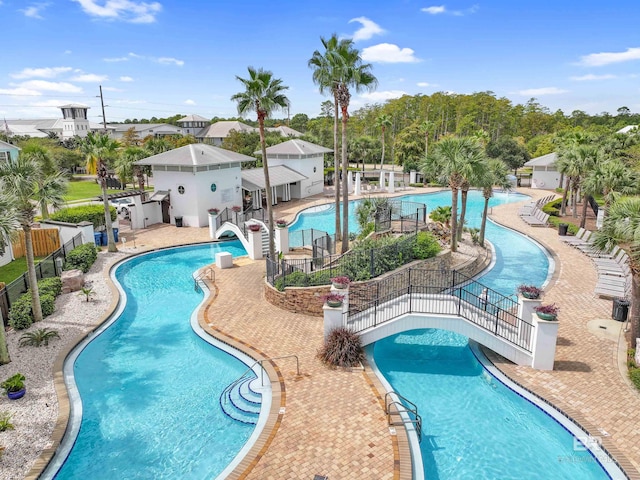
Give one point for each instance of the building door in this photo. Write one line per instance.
(165, 210)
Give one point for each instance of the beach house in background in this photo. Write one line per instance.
(74, 122)
(8, 151)
(545, 174)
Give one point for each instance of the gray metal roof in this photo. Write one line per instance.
(284, 131)
(253, 179)
(4, 146)
(193, 118)
(222, 129)
(74, 105)
(194, 155)
(295, 147)
(141, 127)
(544, 161)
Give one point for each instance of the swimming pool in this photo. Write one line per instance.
(150, 385)
(474, 426)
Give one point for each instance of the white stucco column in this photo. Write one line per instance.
(526, 312)
(274, 195)
(256, 198)
(382, 180)
(392, 182)
(349, 182)
(357, 187)
(255, 245)
(412, 176)
(333, 316)
(544, 343)
(282, 239)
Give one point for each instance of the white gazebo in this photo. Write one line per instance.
(545, 174)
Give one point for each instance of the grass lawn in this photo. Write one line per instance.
(11, 271)
(87, 189)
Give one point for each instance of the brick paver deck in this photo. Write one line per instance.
(333, 423)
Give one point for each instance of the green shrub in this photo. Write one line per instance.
(555, 221)
(20, 315)
(553, 208)
(82, 257)
(420, 185)
(634, 375)
(38, 337)
(5, 422)
(50, 286)
(48, 304)
(83, 213)
(426, 246)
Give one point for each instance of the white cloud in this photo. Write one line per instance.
(89, 77)
(40, 72)
(532, 92)
(67, 52)
(606, 58)
(438, 9)
(126, 79)
(383, 95)
(434, 10)
(591, 76)
(116, 59)
(112, 89)
(170, 61)
(33, 11)
(189, 102)
(19, 91)
(388, 53)
(426, 84)
(368, 29)
(126, 10)
(50, 86)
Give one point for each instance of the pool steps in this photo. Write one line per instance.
(242, 402)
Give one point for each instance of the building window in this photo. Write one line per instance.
(180, 189)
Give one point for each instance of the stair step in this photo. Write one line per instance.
(242, 402)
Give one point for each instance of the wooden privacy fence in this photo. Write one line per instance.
(45, 241)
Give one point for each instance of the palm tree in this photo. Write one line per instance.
(588, 157)
(495, 174)
(98, 149)
(427, 127)
(622, 227)
(125, 167)
(326, 74)
(383, 121)
(50, 191)
(357, 75)
(264, 95)
(612, 179)
(475, 157)
(453, 161)
(8, 224)
(20, 178)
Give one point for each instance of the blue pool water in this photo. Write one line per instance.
(473, 425)
(150, 386)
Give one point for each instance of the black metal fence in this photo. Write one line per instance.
(239, 217)
(446, 292)
(401, 216)
(356, 264)
(47, 267)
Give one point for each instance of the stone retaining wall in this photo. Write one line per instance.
(469, 260)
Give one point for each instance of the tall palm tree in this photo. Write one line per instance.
(326, 74)
(19, 179)
(383, 121)
(125, 168)
(264, 95)
(8, 224)
(495, 174)
(622, 227)
(453, 161)
(476, 158)
(427, 128)
(98, 149)
(588, 157)
(357, 75)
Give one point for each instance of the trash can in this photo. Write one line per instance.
(104, 240)
(178, 221)
(620, 310)
(115, 235)
(97, 238)
(562, 228)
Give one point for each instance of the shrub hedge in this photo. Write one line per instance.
(82, 213)
(21, 315)
(553, 208)
(82, 257)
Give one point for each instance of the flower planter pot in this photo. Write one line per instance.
(16, 395)
(530, 296)
(546, 316)
(339, 286)
(334, 304)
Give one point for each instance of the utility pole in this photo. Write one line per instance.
(104, 118)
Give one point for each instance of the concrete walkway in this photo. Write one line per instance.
(333, 422)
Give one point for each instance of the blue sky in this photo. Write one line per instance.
(159, 58)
